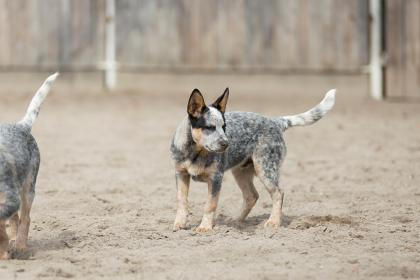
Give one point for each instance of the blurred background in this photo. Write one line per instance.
(134, 39)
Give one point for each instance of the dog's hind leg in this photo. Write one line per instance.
(23, 228)
(27, 197)
(277, 196)
(24, 222)
(4, 241)
(244, 176)
(267, 163)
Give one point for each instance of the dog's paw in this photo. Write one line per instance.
(239, 220)
(179, 226)
(19, 253)
(180, 223)
(203, 229)
(272, 224)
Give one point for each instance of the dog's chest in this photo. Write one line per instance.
(199, 170)
(194, 168)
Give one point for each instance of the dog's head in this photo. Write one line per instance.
(208, 122)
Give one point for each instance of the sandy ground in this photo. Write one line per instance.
(106, 194)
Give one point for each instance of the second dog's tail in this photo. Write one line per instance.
(312, 115)
(33, 109)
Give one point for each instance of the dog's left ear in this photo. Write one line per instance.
(196, 104)
(220, 103)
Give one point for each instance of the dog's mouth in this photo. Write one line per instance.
(217, 151)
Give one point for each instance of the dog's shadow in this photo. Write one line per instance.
(64, 240)
(251, 224)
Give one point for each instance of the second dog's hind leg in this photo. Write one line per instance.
(4, 241)
(27, 197)
(244, 177)
(24, 222)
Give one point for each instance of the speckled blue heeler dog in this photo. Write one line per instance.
(19, 163)
(209, 142)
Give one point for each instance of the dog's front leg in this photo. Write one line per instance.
(207, 222)
(183, 185)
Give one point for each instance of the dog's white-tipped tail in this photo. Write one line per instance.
(314, 114)
(36, 102)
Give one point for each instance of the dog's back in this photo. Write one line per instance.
(244, 130)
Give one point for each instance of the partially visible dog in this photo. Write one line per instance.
(209, 142)
(19, 164)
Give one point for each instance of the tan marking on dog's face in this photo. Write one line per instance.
(210, 134)
(197, 135)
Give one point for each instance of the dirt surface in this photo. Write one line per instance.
(106, 193)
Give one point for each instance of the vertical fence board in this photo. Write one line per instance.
(403, 48)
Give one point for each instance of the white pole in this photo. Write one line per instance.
(376, 63)
(110, 63)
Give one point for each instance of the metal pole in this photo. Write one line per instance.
(376, 62)
(110, 63)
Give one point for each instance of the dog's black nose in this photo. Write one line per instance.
(224, 144)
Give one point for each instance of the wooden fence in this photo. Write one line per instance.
(402, 48)
(39, 34)
(263, 35)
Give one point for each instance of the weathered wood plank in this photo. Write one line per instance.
(403, 48)
(183, 34)
(50, 33)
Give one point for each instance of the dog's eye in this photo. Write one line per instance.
(210, 127)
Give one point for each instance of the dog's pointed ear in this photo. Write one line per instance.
(220, 103)
(196, 104)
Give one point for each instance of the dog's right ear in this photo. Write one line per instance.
(196, 104)
(220, 103)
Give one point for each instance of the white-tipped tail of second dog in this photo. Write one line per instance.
(312, 115)
(36, 102)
